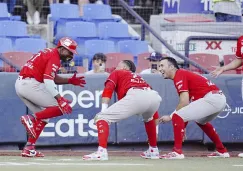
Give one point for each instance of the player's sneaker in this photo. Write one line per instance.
(172, 155)
(29, 123)
(100, 154)
(217, 154)
(240, 155)
(151, 153)
(29, 151)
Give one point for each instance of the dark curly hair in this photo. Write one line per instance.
(130, 64)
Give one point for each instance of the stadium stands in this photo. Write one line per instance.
(3, 11)
(30, 45)
(114, 58)
(114, 31)
(208, 61)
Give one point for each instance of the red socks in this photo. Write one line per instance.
(40, 125)
(212, 134)
(103, 133)
(48, 113)
(151, 132)
(178, 126)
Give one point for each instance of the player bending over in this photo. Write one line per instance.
(134, 97)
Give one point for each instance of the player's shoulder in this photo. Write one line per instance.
(146, 71)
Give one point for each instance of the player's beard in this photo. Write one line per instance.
(65, 58)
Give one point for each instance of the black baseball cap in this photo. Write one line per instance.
(155, 56)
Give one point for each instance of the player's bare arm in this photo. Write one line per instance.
(183, 101)
(107, 94)
(233, 65)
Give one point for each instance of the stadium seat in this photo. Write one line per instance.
(30, 45)
(16, 59)
(230, 58)
(60, 14)
(60, 10)
(13, 30)
(133, 47)
(208, 61)
(81, 69)
(114, 31)
(142, 61)
(4, 11)
(5, 45)
(80, 32)
(114, 58)
(191, 6)
(98, 46)
(98, 13)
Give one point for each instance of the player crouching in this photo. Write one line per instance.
(132, 92)
(207, 101)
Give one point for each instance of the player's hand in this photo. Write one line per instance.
(164, 119)
(64, 105)
(78, 81)
(217, 72)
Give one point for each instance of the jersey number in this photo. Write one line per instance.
(137, 79)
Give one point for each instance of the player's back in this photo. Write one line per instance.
(124, 80)
(37, 64)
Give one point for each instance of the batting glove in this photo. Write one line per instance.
(78, 81)
(64, 105)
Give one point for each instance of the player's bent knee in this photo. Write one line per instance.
(99, 118)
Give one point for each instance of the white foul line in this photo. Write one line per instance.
(238, 165)
(70, 164)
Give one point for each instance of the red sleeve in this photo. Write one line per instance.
(156, 115)
(108, 90)
(113, 78)
(51, 70)
(181, 82)
(239, 52)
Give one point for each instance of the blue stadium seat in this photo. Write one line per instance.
(30, 45)
(61, 14)
(4, 11)
(114, 31)
(5, 46)
(98, 13)
(80, 32)
(191, 6)
(13, 30)
(98, 46)
(133, 47)
(61, 10)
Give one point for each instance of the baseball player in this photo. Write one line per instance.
(132, 92)
(36, 87)
(236, 63)
(207, 101)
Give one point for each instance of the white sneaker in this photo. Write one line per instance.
(100, 154)
(240, 155)
(172, 155)
(151, 153)
(36, 18)
(217, 154)
(29, 18)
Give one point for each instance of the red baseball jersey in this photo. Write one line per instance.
(124, 80)
(239, 48)
(196, 85)
(43, 65)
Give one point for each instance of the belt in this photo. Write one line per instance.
(142, 88)
(24, 78)
(217, 92)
